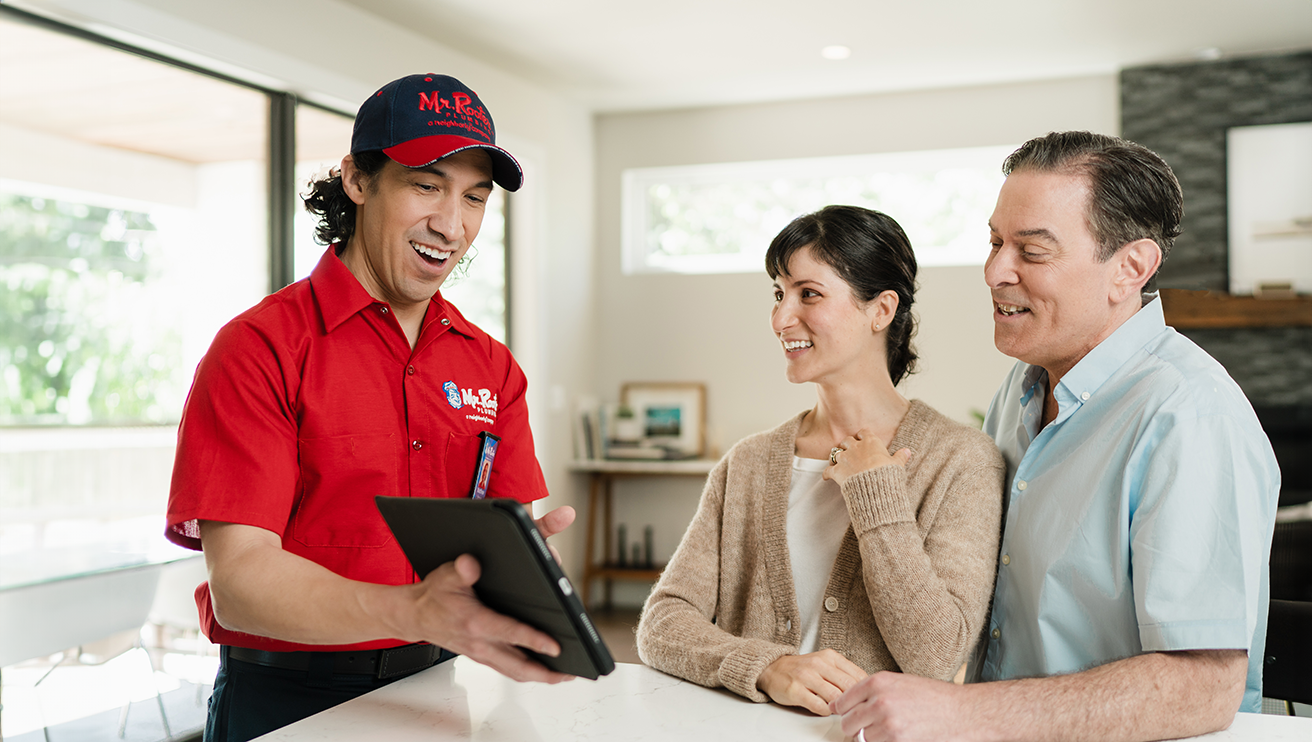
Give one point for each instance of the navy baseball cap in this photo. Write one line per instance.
(419, 119)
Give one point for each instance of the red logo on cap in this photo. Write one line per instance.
(459, 104)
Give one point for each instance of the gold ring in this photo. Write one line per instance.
(833, 455)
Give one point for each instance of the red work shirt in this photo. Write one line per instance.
(311, 403)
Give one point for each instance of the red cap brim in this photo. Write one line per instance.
(506, 171)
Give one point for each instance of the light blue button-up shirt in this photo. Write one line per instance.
(1140, 519)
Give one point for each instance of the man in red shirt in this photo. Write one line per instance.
(359, 381)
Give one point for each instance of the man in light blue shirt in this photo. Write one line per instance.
(1131, 598)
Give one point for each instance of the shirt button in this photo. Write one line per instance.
(383, 310)
(446, 321)
(410, 370)
(1085, 396)
(417, 445)
(997, 633)
(831, 604)
(1021, 485)
(1006, 559)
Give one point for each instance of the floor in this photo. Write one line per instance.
(151, 695)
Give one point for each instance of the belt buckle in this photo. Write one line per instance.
(405, 660)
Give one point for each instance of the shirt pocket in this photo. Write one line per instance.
(461, 461)
(340, 476)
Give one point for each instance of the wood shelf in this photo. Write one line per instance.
(611, 571)
(597, 564)
(1196, 310)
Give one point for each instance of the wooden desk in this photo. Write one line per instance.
(603, 473)
(463, 700)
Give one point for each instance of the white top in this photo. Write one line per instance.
(462, 700)
(817, 521)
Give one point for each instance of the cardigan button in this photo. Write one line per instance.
(831, 604)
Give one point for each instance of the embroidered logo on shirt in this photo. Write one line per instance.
(483, 402)
(452, 395)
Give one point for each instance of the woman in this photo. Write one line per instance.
(860, 535)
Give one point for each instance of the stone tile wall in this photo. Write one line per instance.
(1182, 112)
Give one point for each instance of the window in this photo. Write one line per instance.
(720, 218)
(137, 216)
(322, 139)
(133, 224)
(115, 274)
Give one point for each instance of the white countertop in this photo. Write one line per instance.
(462, 700)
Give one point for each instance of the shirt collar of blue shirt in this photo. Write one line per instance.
(1100, 363)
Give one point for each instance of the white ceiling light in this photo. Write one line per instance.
(836, 52)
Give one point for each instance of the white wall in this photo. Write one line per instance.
(715, 329)
(334, 53)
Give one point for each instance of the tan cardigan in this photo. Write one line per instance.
(910, 587)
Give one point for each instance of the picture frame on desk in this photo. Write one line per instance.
(672, 415)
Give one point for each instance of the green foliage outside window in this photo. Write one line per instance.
(81, 337)
(718, 218)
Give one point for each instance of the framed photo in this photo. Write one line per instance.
(672, 415)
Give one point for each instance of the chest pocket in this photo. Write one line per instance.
(461, 460)
(340, 477)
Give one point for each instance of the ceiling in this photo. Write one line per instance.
(613, 55)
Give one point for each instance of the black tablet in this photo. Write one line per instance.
(520, 578)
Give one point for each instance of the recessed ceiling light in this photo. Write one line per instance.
(836, 52)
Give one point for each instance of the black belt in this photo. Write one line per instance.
(381, 663)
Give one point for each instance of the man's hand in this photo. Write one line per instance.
(1152, 696)
(453, 618)
(893, 707)
(811, 681)
(259, 588)
(554, 522)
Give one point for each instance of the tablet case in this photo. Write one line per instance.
(519, 577)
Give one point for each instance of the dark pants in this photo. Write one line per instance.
(250, 700)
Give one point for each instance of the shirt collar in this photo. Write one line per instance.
(1098, 365)
(340, 296)
(442, 311)
(336, 290)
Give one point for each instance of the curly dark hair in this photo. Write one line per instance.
(327, 199)
(872, 254)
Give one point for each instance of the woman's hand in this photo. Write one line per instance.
(812, 681)
(862, 452)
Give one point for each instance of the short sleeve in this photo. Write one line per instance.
(237, 457)
(1200, 534)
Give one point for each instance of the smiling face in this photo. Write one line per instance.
(414, 225)
(1053, 301)
(826, 334)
